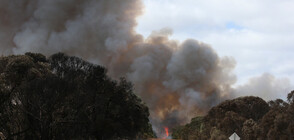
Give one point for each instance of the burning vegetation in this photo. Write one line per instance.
(176, 80)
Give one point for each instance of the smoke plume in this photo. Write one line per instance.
(176, 80)
(265, 86)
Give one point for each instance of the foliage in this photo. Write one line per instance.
(250, 117)
(189, 130)
(65, 97)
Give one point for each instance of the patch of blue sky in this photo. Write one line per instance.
(233, 25)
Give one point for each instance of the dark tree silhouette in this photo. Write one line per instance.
(65, 97)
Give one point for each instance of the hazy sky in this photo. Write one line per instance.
(258, 34)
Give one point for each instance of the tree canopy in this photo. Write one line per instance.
(250, 117)
(65, 97)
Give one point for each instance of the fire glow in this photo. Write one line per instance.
(166, 132)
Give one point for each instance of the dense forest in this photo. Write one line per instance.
(64, 97)
(250, 117)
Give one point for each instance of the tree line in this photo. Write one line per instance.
(65, 97)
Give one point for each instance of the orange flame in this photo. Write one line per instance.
(166, 131)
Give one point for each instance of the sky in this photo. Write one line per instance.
(259, 35)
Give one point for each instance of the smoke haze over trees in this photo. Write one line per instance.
(177, 80)
(65, 97)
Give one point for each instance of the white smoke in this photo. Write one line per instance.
(265, 86)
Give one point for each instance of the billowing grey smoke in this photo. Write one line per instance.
(176, 80)
(88, 28)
